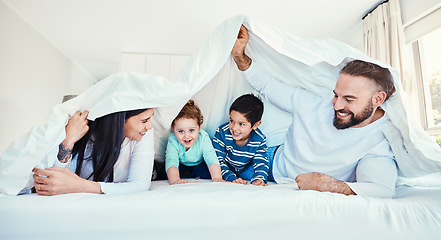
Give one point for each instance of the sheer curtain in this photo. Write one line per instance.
(384, 40)
(383, 36)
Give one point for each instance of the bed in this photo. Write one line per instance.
(205, 210)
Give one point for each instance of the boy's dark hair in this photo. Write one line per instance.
(250, 106)
(381, 76)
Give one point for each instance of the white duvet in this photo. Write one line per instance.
(212, 79)
(206, 210)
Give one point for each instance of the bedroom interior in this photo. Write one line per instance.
(52, 49)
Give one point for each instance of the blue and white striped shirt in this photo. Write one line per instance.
(234, 159)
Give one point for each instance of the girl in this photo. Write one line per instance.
(188, 147)
(113, 154)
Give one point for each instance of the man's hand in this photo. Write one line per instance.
(240, 181)
(323, 183)
(242, 60)
(259, 182)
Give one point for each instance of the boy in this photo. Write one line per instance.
(240, 146)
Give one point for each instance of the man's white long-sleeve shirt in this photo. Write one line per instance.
(359, 156)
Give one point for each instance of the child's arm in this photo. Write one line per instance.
(210, 158)
(173, 176)
(215, 172)
(172, 161)
(219, 146)
(261, 165)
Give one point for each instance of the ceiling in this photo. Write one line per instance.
(93, 33)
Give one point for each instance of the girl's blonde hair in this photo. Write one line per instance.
(191, 111)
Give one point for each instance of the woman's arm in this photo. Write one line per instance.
(58, 180)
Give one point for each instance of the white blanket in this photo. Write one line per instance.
(212, 79)
(206, 210)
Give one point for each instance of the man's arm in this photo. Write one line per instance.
(376, 177)
(323, 183)
(242, 60)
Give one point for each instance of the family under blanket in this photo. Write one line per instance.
(333, 145)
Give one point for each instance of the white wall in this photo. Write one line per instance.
(412, 10)
(34, 76)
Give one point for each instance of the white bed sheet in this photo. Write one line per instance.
(206, 210)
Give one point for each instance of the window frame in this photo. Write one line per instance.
(423, 92)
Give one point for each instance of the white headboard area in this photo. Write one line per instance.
(166, 65)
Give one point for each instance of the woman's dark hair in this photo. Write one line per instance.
(250, 106)
(106, 134)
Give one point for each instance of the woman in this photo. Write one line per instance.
(113, 154)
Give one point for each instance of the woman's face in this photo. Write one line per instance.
(137, 126)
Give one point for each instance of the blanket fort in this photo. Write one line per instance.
(212, 79)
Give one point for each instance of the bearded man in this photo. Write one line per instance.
(334, 144)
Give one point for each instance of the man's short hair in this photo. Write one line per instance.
(250, 106)
(381, 76)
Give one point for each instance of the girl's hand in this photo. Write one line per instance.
(218, 180)
(179, 181)
(259, 183)
(240, 181)
(58, 180)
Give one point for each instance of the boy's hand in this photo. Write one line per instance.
(179, 181)
(259, 183)
(241, 181)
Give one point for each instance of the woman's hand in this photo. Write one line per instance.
(76, 128)
(58, 180)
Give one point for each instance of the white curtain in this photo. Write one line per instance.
(384, 40)
(383, 36)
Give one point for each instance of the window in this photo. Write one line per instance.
(427, 59)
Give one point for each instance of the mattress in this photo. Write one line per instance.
(206, 210)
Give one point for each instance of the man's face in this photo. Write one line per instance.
(353, 101)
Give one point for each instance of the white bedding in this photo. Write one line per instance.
(223, 210)
(212, 79)
(206, 210)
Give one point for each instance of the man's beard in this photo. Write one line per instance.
(365, 114)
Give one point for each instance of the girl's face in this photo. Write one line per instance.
(186, 131)
(137, 126)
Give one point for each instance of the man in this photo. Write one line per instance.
(336, 144)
